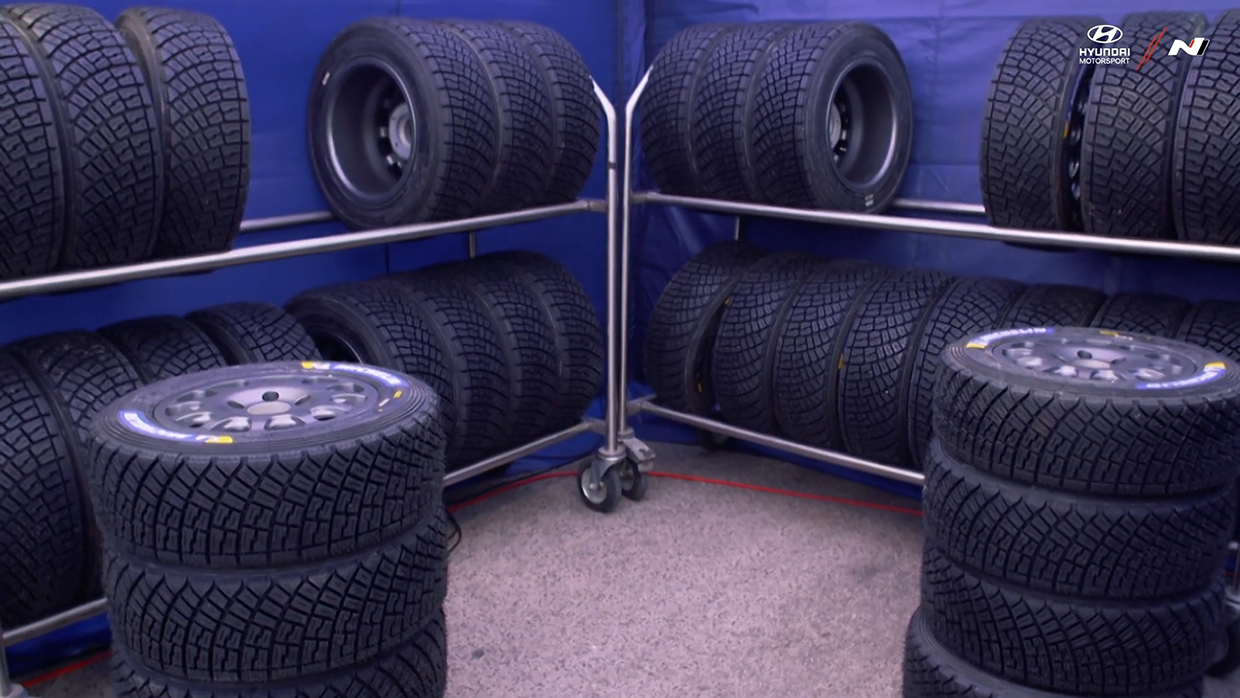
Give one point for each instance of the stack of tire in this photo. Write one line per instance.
(807, 115)
(843, 355)
(413, 120)
(1078, 504)
(1137, 146)
(509, 341)
(124, 142)
(274, 530)
(51, 388)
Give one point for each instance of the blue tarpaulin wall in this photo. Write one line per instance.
(950, 48)
(279, 42)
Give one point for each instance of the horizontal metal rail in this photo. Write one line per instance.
(819, 454)
(100, 606)
(1216, 253)
(284, 250)
(931, 206)
(258, 225)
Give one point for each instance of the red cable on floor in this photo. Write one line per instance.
(709, 481)
(76, 666)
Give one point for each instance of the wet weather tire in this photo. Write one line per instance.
(1143, 313)
(253, 333)
(162, 347)
(1053, 305)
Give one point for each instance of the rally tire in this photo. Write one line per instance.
(1214, 325)
(253, 333)
(1050, 305)
(1076, 546)
(1143, 313)
(1129, 138)
(108, 133)
(200, 99)
(273, 498)
(681, 331)
(164, 346)
(1026, 155)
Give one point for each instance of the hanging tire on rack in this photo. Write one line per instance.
(682, 326)
(743, 354)
(43, 514)
(1204, 182)
(1032, 126)
(32, 197)
(1129, 134)
(1143, 313)
(390, 143)
(108, 129)
(200, 99)
(1051, 305)
(576, 109)
(1042, 406)
(163, 347)
(579, 338)
(252, 333)
(832, 119)
(665, 108)
(876, 360)
(807, 353)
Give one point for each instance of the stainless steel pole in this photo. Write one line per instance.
(291, 221)
(613, 412)
(626, 213)
(517, 453)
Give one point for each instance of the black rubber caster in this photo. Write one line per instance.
(604, 495)
(633, 482)
(1231, 658)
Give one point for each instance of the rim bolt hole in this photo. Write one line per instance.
(1084, 354)
(236, 405)
(271, 396)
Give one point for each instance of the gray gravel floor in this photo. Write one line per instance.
(700, 590)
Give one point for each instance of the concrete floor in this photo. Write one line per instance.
(700, 590)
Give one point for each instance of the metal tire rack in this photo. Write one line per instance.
(610, 426)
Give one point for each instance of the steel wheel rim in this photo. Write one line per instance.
(596, 493)
(861, 124)
(1105, 359)
(264, 404)
(372, 128)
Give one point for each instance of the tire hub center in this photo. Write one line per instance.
(1105, 359)
(399, 133)
(265, 403)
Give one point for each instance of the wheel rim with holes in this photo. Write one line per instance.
(273, 402)
(861, 125)
(1100, 359)
(1070, 143)
(372, 128)
(596, 492)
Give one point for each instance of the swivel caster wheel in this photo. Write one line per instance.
(633, 482)
(603, 494)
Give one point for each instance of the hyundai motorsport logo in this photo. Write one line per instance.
(1104, 52)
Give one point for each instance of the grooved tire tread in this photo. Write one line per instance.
(806, 357)
(380, 323)
(931, 671)
(682, 325)
(278, 624)
(475, 344)
(302, 501)
(577, 111)
(254, 333)
(1011, 422)
(743, 354)
(1214, 325)
(1204, 180)
(110, 134)
(876, 362)
(42, 514)
(1129, 137)
(578, 336)
(666, 106)
(523, 100)
(1071, 646)
(201, 101)
(1054, 305)
(418, 669)
(1144, 313)
(32, 166)
(969, 305)
(720, 107)
(1022, 124)
(162, 347)
(1074, 546)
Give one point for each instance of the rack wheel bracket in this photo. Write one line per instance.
(599, 481)
(637, 452)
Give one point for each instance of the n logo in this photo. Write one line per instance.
(1196, 48)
